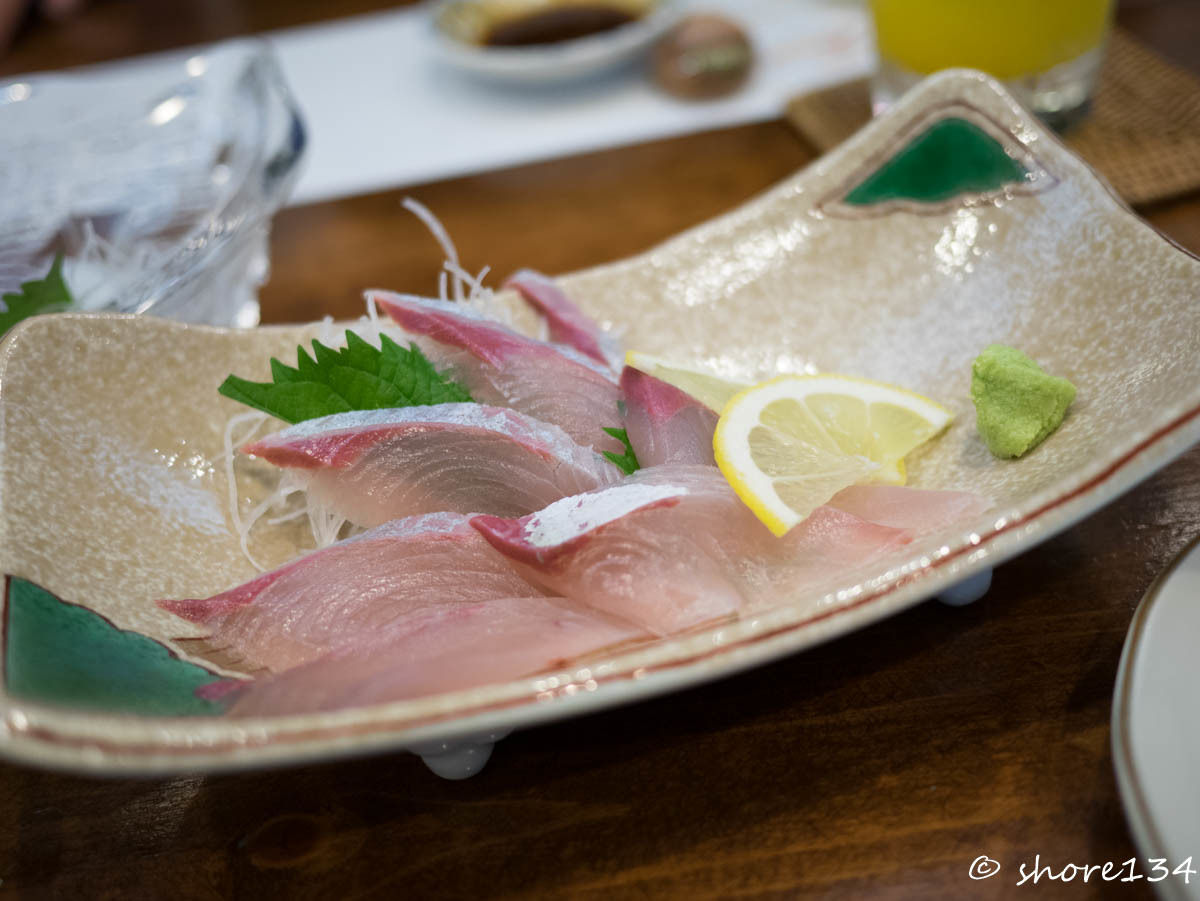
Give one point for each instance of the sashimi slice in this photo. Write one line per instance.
(354, 591)
(452, 646)
(567, 323)
(501, 367)
(629, 551)
(921, 511)
(829, 551)
(664, 424)
(672, 547)
(377, 465)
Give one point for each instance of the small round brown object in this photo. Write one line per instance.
(702, 57)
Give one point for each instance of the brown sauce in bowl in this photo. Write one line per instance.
(552, 26)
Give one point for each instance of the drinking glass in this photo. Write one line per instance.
(155, 180)
(1047, 52)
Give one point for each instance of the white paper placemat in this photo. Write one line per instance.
(384, 112)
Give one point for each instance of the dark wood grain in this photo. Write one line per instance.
(115, 28)
(555, 216)
(879, 765)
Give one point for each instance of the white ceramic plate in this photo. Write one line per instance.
(1156, 726)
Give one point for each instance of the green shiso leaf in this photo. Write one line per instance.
(47, 295)
(358, 376)
(626, 462)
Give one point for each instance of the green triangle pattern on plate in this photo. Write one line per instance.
(63, 654)
(951, 157)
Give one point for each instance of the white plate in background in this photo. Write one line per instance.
(1156, 726)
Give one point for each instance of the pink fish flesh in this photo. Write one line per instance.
(664, 424)
(355, 591)
(672, 547)
(444, 648)
(500, 367)
(377, 465)
(568, 324)
(921, 511)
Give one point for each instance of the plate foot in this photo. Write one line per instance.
(460, 758)
(968, 591)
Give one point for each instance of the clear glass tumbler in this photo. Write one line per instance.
(155, 180)
(1047, 52)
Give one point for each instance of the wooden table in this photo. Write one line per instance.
(881, 764)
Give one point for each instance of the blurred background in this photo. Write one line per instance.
(374, 96)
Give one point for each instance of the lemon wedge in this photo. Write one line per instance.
(711, 390)
(715, 392)
(790, 444)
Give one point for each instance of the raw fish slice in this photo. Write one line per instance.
(828, 551)
(568, 324)
(546, 381)
(630, 550)
(378, 465)
(452, 646)
(354, 591)
(664, 424)
(673, 547)
(921, 511)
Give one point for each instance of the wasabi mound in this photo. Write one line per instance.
(1017, 404)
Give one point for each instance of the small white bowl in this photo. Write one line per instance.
(556, 62)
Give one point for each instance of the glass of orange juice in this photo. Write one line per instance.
(1046, 51)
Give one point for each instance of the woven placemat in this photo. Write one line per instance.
(1143, 133)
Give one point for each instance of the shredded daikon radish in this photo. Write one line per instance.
(434, 224)
(256, 419)
(475, 288)
(286, 517)
(327, 334)
(257, 513)
(370, 326)
(480, 298)
(453, 278)
(326, 527)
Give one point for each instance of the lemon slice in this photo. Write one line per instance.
(711, 390)
(715, 392)
(889, 474)
(790, 444)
